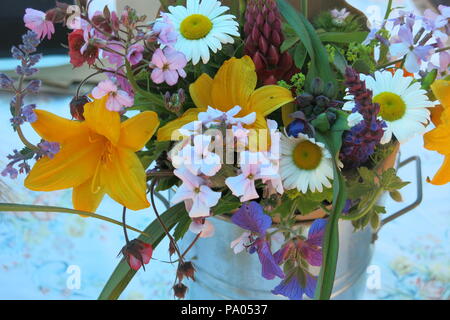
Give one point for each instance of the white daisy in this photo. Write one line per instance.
(305, 164)
(202, 26)
(403, 104)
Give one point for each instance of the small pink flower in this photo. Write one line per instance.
(117, 100)
(203, 227)
(195, 191)
(135, 53)
(243, 185)
(35, 21)
(167, 66)
(165, 31)
(113, 56)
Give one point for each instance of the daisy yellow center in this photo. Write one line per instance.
(392, 106)
(307, 155)
(196, 26)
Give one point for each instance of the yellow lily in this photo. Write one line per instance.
(97, 156)
(233, 85)
(438, 139)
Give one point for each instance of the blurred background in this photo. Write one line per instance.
(412, 254)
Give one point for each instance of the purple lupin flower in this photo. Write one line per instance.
(359, 143)
(251, 217)
(297, 284)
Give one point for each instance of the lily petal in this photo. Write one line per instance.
(234, 83)
(54, 128)
(200, 91)
(441, 89)
(437, 139)
(75, 163)
(170, 130)
(267, 99)
(124, 179)
(103, 121)
(85, 199)
(443, 175)
(136, 131)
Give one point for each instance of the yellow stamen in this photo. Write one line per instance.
(196, 26)
(307, 155)
(392, 106)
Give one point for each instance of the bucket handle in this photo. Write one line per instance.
(414, 204)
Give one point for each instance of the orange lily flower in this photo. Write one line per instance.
(97, 156)
(438, 139)
(233, 85)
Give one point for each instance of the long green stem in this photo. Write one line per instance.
(304, 4)
(13, 207)
(388, 10)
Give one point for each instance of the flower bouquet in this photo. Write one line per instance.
(259, 114)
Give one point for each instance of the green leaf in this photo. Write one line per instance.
(288, 43)
(339, 61)
(123, 274)
(227, 204)
(300, 54)
(343, 37)
(321, 122)
(320, 66)
(396, 196)
(390, 181)
(361, 66)
(182, 227)
(284, 208)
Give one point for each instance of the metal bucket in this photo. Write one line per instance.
(221, 274)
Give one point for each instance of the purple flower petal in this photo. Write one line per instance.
(251, 217)
(292, 288)
(316, 232)
(270, 269)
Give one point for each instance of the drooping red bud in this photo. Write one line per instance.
(77, 107)
(179, 290)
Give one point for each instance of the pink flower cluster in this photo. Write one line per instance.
(37, 22)
(199, 157)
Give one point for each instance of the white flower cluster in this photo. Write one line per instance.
(199, 157)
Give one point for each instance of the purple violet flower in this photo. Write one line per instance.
(251, 217)
(296, 285)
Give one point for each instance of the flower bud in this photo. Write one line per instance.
(304, 100)
(317, 86)
(179, 290)
(186, 269)
(77, 107)
(6, 82)
(137, 253)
